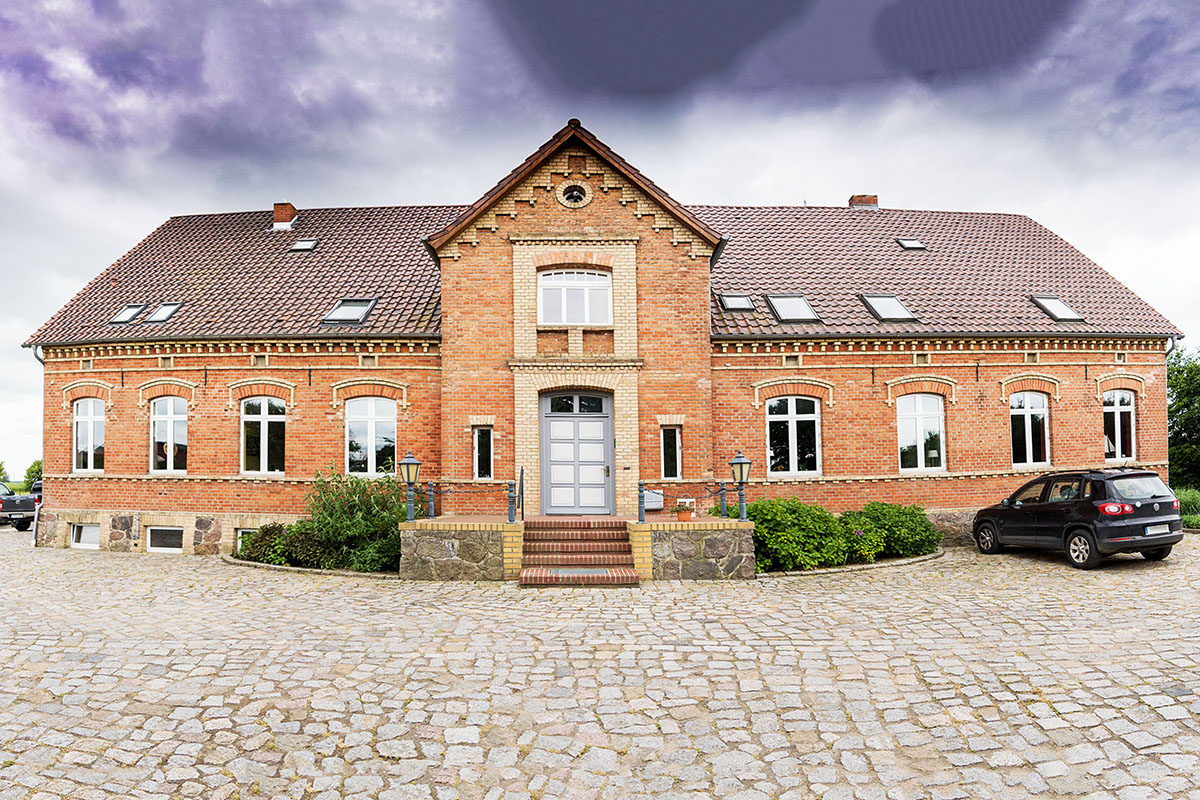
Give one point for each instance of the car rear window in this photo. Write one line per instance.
(1140, 487)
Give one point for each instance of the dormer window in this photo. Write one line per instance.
(791, 308)
(350, 311)
(736, 302)
(127, 313)
(304, 245)
(574, 297)
(1056, 309)
(887, 308)
(163, 312)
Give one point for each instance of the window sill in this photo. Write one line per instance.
(793, 476)
(923, 471)
(259, 476)
(87, 472)
(563, 328)
(171, 550)
(168, 473)
(1031, 467)
(76, 546)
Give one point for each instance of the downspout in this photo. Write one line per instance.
(40, 360)
(1171, 343)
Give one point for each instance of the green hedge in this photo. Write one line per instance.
(1192, 521)
(1189, 501)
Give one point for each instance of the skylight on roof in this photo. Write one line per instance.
(887, 307)
(304, 245)
(128, 312)
(791, 308)
(350, 311)
(910, 244)
(1056, 309)
(163, 312)
(737, 302)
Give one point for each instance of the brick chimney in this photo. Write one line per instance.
(857, 201)
(285, 215)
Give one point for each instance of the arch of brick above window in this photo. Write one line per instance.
(87, 387)
(921, 384)
(1030, 382)
(257, 387)
(1119, 380)
(369, 387)
(176, 387)
(573, 259)
(807, 387)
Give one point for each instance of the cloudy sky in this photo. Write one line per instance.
(115, 114)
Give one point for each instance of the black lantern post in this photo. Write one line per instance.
(410, 469)
(740, 467)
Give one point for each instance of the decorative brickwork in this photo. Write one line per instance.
(1029, 382)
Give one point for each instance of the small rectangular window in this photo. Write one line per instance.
(482, 460)
(910, 244)
(887, 307)
(1031, 358)
(241, 534)
(350, 312)
(85, 363)
(791, 360)
(166, 361)
(165, 540)
(1121, 358)
(259, 360)
(921, 358)
(736, 302)
(86, 537)
(791, 308)
(672, 454)
(1056, 309)
(304, 245)
(163, 312)
(128, 313)
(368, 361)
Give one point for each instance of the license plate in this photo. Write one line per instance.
(1155, 530)
(17, 516)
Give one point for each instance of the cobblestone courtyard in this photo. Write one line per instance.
(1011, 676)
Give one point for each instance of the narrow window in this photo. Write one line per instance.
(371, 436)
(164, 540)
(887, 308)
(920, 422)
(574, 297)
(482, 448)
(263, 428)
(350, 312)
(672, 454)
(793, 435)
(1029, 418)
(1118, 425)
(168, 434)
(86, 537)
(89, 435)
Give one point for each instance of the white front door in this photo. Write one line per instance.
(577, 448)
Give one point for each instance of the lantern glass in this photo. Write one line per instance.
(409, 468)
(740, 467)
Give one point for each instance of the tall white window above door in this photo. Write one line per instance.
(371, 436)
(574, 297)
(1118, 425)
(168, 434)
(89, 435)
(793, 436)
(1029, 418)
(920, 420)
(672, 453)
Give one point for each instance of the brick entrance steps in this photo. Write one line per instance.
(572, 551)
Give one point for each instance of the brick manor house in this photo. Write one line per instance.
(579, 324)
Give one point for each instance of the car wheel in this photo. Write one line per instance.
(1081, 550)
(1157, 554)
(987, 540)
(24, 526)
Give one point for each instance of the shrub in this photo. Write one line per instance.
(306, 545)
(265, 545)
(791, 535)
(1189, 501)
(906, 530)
(865, 540)
(1192, 521)
(381, 555)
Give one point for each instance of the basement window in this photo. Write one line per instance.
(736, 302)
(911, 244)
(304, 245)
(887, 307)
(163, 312)
(791, 308)
(1056, 309)
(127, 313)
(350, 311)
(165, 540)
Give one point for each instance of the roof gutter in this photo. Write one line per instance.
(716, 253)
(429, 248)
(258, 337)
(761, 337)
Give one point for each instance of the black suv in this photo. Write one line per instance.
(1089, 514)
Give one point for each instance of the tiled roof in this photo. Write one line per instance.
(975, 276)
(238, 279)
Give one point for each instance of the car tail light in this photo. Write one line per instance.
(1115, 509)
(1175, 504)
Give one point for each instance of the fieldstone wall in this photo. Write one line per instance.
(955, 526)
(434, 550)
(46, 531)
(120, 533)
(206, 538)
(708, 549)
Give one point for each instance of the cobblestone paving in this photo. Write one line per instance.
(1002, 677)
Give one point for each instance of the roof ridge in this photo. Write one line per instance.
(322, 208)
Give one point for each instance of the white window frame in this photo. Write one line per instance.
(557, 280)
(877, 312)
(921, 417)
(164, 312)
(262, 418)
(1117, 410)
(238, 533)
(491, 476)
(150, 532)
(372, 419)
(792, 417)
(671, 432)
(77, 545)
(778, 302)
(1028, 413)
(87, 419)
(170, 418)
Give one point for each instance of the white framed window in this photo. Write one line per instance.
(239, 536)
(164, 312)
(264, 421)
(672, 453)
(574, 297)
(168, 434)
(351, 311)
(482, 453)
(1029, 420)
(793, 436)
(921, 424)
(85, 537)
(1119, 425)
(737, 302)
(791, 308)
(164, 540)
(127, 313)
(1054, 307)
(89, 435)
(887, 307)
(371, 436)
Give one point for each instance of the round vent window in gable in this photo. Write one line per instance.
(573, 194)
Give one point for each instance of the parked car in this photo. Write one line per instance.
(19, 509)
(1087, 514)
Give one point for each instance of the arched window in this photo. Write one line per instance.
(793, 435)
(1118, 425)
(921, 423)
(89, 435)
(370, 436)
(168, 434)
(574, 297)
(264, 421)
(1029, 417)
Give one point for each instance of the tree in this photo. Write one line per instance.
(34, 473)
(4, 474)
(1183, 417)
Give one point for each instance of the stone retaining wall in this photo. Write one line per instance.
(955, 526)
(705, 549)
(123, 531)
(438, 550)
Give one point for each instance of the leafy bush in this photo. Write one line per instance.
(1192, 521)
(907, 531)
(791, 535)
(306, 545)
(865, 540)
(265, 545)
(381, 555)
(1189, 501)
